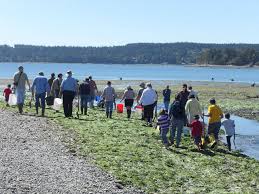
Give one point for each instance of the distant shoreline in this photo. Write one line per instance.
(222, 66)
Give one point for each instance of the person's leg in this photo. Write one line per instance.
(229, 142)
(43, 103)
(110, 109)
(172, 131)
(65, 103)
(107, 109)
(82, 103)
(145, 110)
(216, 131)
(152, 112)
(163, 136)
(71, 98)
(180, 125)
(20, 93)
(166, 104)
(37, 102)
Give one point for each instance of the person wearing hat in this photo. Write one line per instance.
(148, 99)
(140, 91)
(40, 87)
(55, 88)
(192, 108)
(20, 80)
(215, 115)
(128, 98)
(68, 90)
(50, 81)
(93, 90)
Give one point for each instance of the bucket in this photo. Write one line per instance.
(120, 108)
(139, 109)
(12, 100)
(57, 104)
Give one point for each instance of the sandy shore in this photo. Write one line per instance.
(122, 84)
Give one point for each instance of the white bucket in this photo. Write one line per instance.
(12, 100)
(57, 104)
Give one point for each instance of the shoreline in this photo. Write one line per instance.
(223, 66)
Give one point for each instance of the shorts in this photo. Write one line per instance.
(214, 129)
(129, 102)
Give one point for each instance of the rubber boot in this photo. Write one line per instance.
(20, 108)
(110, 114)
(43, 112)
(85, 111)
(107, 114)
(37, 110)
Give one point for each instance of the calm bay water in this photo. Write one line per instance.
(137, 71)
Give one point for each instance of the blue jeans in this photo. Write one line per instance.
(166, 104)
(109, 106)
(20, 93)
(84, 100)
(177, 124)
(40, 99)
(163, 134)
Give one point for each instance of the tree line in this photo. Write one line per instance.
(137, 53)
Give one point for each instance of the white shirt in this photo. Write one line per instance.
(148, 97)
(229, 126)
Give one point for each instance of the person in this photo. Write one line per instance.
(166, 95)
(196, 131)
(140, 91)
(192, 108)
(68, 91)
(229, 126)
(147, 100)
(177, 119)
(109, 95)
(84, 91)
(6, 93)
(55, 88)
(50, 81)
(163, 122)
(183, 97)
(128, 98)
(40, 87)
(20, 80)
(93, 89)
(215, 115)
(192, 92)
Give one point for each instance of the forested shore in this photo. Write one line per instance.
(137, 53)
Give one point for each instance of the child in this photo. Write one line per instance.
(196, 131)
(229, 126)
(7, 92)
(163, 122)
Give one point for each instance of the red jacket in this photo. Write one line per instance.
(196, 128)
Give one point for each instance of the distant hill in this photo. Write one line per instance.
(137, 53)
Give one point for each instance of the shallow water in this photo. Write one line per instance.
(136, 71)
(247, 135)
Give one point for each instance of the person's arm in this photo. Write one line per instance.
(28, 82)
(123, 97)
(208, 114)
(187, 107)
(47, 87)
(61, 88)
(32, 88)
(141, 98)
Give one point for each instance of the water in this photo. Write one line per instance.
(137, 72)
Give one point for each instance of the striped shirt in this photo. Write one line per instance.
(163, 121)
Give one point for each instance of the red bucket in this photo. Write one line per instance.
(120, 108)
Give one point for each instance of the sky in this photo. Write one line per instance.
(119, 22)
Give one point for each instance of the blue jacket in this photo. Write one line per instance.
(69, 84)
(41, 85)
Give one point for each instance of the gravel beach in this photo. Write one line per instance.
(34, 159)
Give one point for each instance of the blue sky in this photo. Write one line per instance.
(118, 22)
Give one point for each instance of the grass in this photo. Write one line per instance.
(134, 154)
